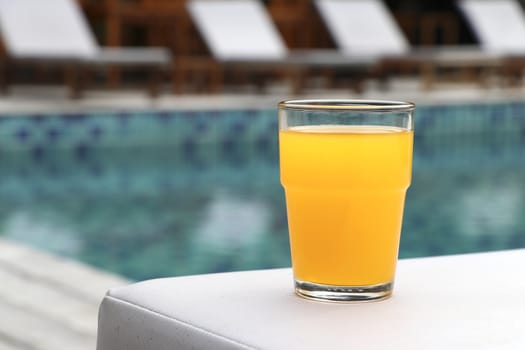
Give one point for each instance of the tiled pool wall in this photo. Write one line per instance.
(187, 131)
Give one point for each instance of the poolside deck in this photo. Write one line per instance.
(48, 302)
(41, 99)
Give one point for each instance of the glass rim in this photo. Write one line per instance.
(351, 105)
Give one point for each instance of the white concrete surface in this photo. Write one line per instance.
(48, 302)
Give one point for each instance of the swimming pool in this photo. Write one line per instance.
(165, 193)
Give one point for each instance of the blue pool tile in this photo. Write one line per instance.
(228, 144)
(263, 143)
(188, 147)
(81, 151)
(38, 118)
(53, 134)
(201, 126)
(189, 114)
(74, 118)
(252, 113)
(216, 113)
(239, 126)
(96, 170)
(38, 152)
(96, 132)
(124, 118)
(164, 116)
(54, 172)
(22, 134)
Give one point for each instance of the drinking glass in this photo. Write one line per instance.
(345, 167)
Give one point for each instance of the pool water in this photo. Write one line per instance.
(169, 193)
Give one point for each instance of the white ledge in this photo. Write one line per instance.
(472, 301)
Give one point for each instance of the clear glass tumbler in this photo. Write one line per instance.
(345, 166)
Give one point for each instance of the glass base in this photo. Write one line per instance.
(343, 294)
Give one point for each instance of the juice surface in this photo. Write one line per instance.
(345, 190)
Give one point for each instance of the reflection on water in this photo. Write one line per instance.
(498, 216)
(232, 223)
(149, 211)
(467, 195)
(155, 211)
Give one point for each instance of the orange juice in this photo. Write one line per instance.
(345, 190)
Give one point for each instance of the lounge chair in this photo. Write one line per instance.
(241, 35)
(55, 32)
(499, 26)
(367, 27)
(363, 26)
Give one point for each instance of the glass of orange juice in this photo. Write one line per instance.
(345, 168)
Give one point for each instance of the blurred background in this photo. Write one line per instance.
(196, 60)
(138, 139)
